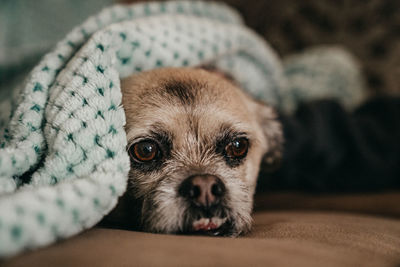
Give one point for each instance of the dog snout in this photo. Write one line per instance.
(203, 190)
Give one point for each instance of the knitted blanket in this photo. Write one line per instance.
(63, 162)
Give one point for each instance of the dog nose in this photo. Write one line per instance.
(203, 190)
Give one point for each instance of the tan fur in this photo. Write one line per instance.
(194, 118)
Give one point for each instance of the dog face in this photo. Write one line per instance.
(196, 142)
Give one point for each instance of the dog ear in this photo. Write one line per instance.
(273, 133)
(212, 68)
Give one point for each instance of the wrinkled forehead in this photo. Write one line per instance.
(200, 106)
(200, 124)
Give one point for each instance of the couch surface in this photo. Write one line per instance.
(302, 237)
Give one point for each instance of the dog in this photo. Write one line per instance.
(196, 141)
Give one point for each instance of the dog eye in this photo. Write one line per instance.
(144, 151)
(237, 148)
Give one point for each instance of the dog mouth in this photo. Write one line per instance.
(208, 224)
(214, 226)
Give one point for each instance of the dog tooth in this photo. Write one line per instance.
(218, 221)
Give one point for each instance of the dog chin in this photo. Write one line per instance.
(206, 227)
(214, 226)
(188, 224)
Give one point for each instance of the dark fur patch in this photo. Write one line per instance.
(184, 91)
(194, 126)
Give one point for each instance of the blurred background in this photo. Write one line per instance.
(370, 29)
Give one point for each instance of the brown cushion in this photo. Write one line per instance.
(286, 238)
(383, 203)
